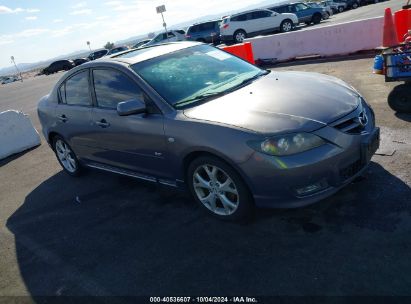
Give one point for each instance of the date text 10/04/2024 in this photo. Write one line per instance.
(203, 300)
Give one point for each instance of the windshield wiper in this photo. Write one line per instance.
(249, 80)
(207, 95)
(200, 97)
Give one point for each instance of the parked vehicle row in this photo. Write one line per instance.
(237, 27)
(8, 79)
(234, 28)
(66, 64)
(305, 13)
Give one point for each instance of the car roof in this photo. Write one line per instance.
(198, 23)
(249, 11)
(145, 53)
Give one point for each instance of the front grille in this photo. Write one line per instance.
(351, 170)
(350, 126)
(350, 123)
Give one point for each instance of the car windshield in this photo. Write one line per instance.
(193, 74)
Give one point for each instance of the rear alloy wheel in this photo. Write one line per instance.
(66, 157)
(239, 36)
(340, 9)
(219, 189)
(316, 19)
(286, 26)
(400, 98)
(355, 5)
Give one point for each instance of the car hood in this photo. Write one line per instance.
(281, 102)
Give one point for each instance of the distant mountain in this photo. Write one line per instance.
(25, 67)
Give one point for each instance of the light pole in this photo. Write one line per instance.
(88, 43)
(160, 10)
(18, 71)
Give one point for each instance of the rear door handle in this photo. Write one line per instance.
(103, 123)
(62, 118)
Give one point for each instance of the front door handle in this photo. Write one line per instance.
(103, 123)
(62, 118)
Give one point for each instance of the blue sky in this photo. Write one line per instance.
(34, 30)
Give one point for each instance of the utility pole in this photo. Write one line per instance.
(15, 65)
(160, 10)
(88, 43)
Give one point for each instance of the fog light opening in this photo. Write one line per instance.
(312, 188)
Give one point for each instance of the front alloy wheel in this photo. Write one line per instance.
(218, 188)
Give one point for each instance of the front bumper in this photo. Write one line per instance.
(280, 182)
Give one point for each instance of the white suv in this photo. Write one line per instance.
(237, 27)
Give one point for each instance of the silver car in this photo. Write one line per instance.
(189, 115)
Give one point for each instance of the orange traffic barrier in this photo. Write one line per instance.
(242, 50)
(390, 34)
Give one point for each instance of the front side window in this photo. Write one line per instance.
(77, 90)
(187, 75)
(112, 87)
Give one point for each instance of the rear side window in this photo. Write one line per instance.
(242, 17)
(112, 87)
(77, 90)
(261, 14)
(193, 29)
(209, 26)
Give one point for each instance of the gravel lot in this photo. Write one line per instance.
(126, 237)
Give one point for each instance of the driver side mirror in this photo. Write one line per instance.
(130, 107)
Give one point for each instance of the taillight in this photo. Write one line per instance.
(225, 26)
(188, 36)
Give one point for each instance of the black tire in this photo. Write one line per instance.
(400, 99)
(78, 169)
(340, 9)
(245, 204)
(239, 33)
(286, 26)
(316, 19)
(201, 40)
(66, 68)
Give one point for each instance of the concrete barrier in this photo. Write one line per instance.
(338, 39)
(16, 133)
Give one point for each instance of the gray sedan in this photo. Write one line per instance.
(188, 115)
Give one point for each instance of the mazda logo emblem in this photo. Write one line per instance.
(363, 119)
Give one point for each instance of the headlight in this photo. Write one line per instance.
(287, 144)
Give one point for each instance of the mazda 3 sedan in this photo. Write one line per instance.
(191, 116)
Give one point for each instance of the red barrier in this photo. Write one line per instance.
(402, 22)
(242, 50)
